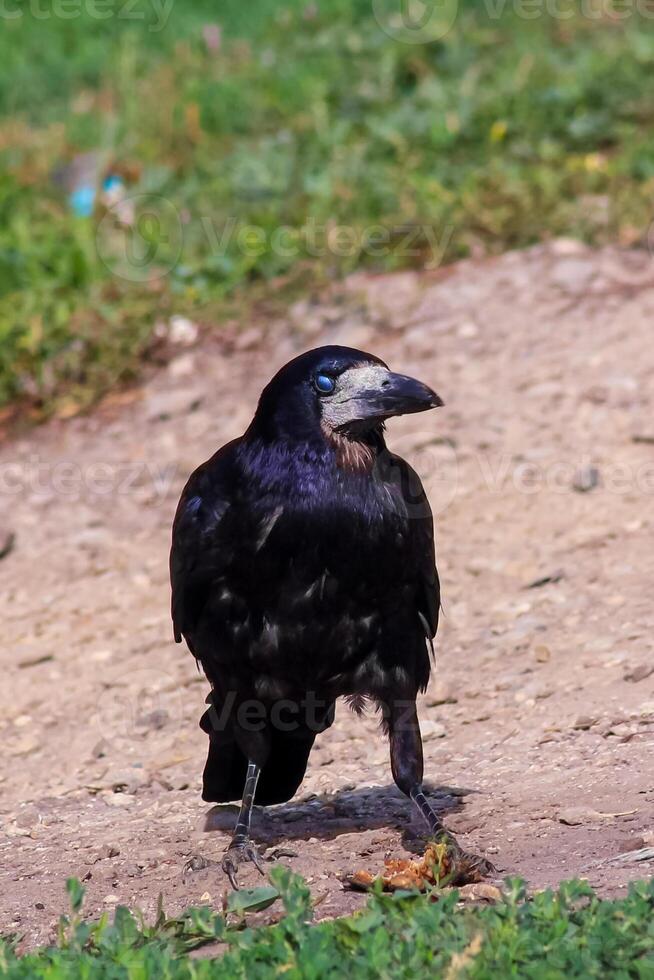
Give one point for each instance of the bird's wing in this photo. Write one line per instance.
(429, 593)
(421, 550)
(198, 556)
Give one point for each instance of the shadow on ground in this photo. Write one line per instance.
(327, 817)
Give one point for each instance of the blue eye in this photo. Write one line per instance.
(324, 384)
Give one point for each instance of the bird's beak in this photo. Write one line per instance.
(398, 394)
(369, 394)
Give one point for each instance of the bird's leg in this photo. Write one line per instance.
(428, 814)
(241, 847)
(407, 767)
(406, 759)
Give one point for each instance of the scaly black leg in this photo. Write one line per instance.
(429, 815)
(407, 768)
(241, 847)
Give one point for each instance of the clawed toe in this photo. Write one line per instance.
(485, 867)
(280, 852)
(468, 867)
(237, 854)
(198, 863)
(462, 867)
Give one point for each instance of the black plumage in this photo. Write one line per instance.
(303, 570)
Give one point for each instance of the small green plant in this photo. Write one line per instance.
(563, 934)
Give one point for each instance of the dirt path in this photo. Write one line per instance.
(542, 709)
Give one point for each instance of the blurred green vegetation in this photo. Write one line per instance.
(570, 933)
(296, 116)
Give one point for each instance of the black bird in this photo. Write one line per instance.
(303, 570)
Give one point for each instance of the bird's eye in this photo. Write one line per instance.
(324, 384)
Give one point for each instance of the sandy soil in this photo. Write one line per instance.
(539, 722)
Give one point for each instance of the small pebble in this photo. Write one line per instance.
(586, 479)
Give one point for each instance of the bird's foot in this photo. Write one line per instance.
(464, 866)
(236, 854)
(280, 852)
(197, 862)
(472, 867)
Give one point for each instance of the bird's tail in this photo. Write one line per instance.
(225, 770)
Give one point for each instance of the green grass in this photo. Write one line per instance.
(308, 117)
(564, 934)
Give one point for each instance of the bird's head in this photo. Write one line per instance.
(340, 391)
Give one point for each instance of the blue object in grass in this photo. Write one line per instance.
(82, 200)
(112, 183)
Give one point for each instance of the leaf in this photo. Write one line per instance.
(252, 899)
(295, 894)
(75, 891)
(363, 921)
